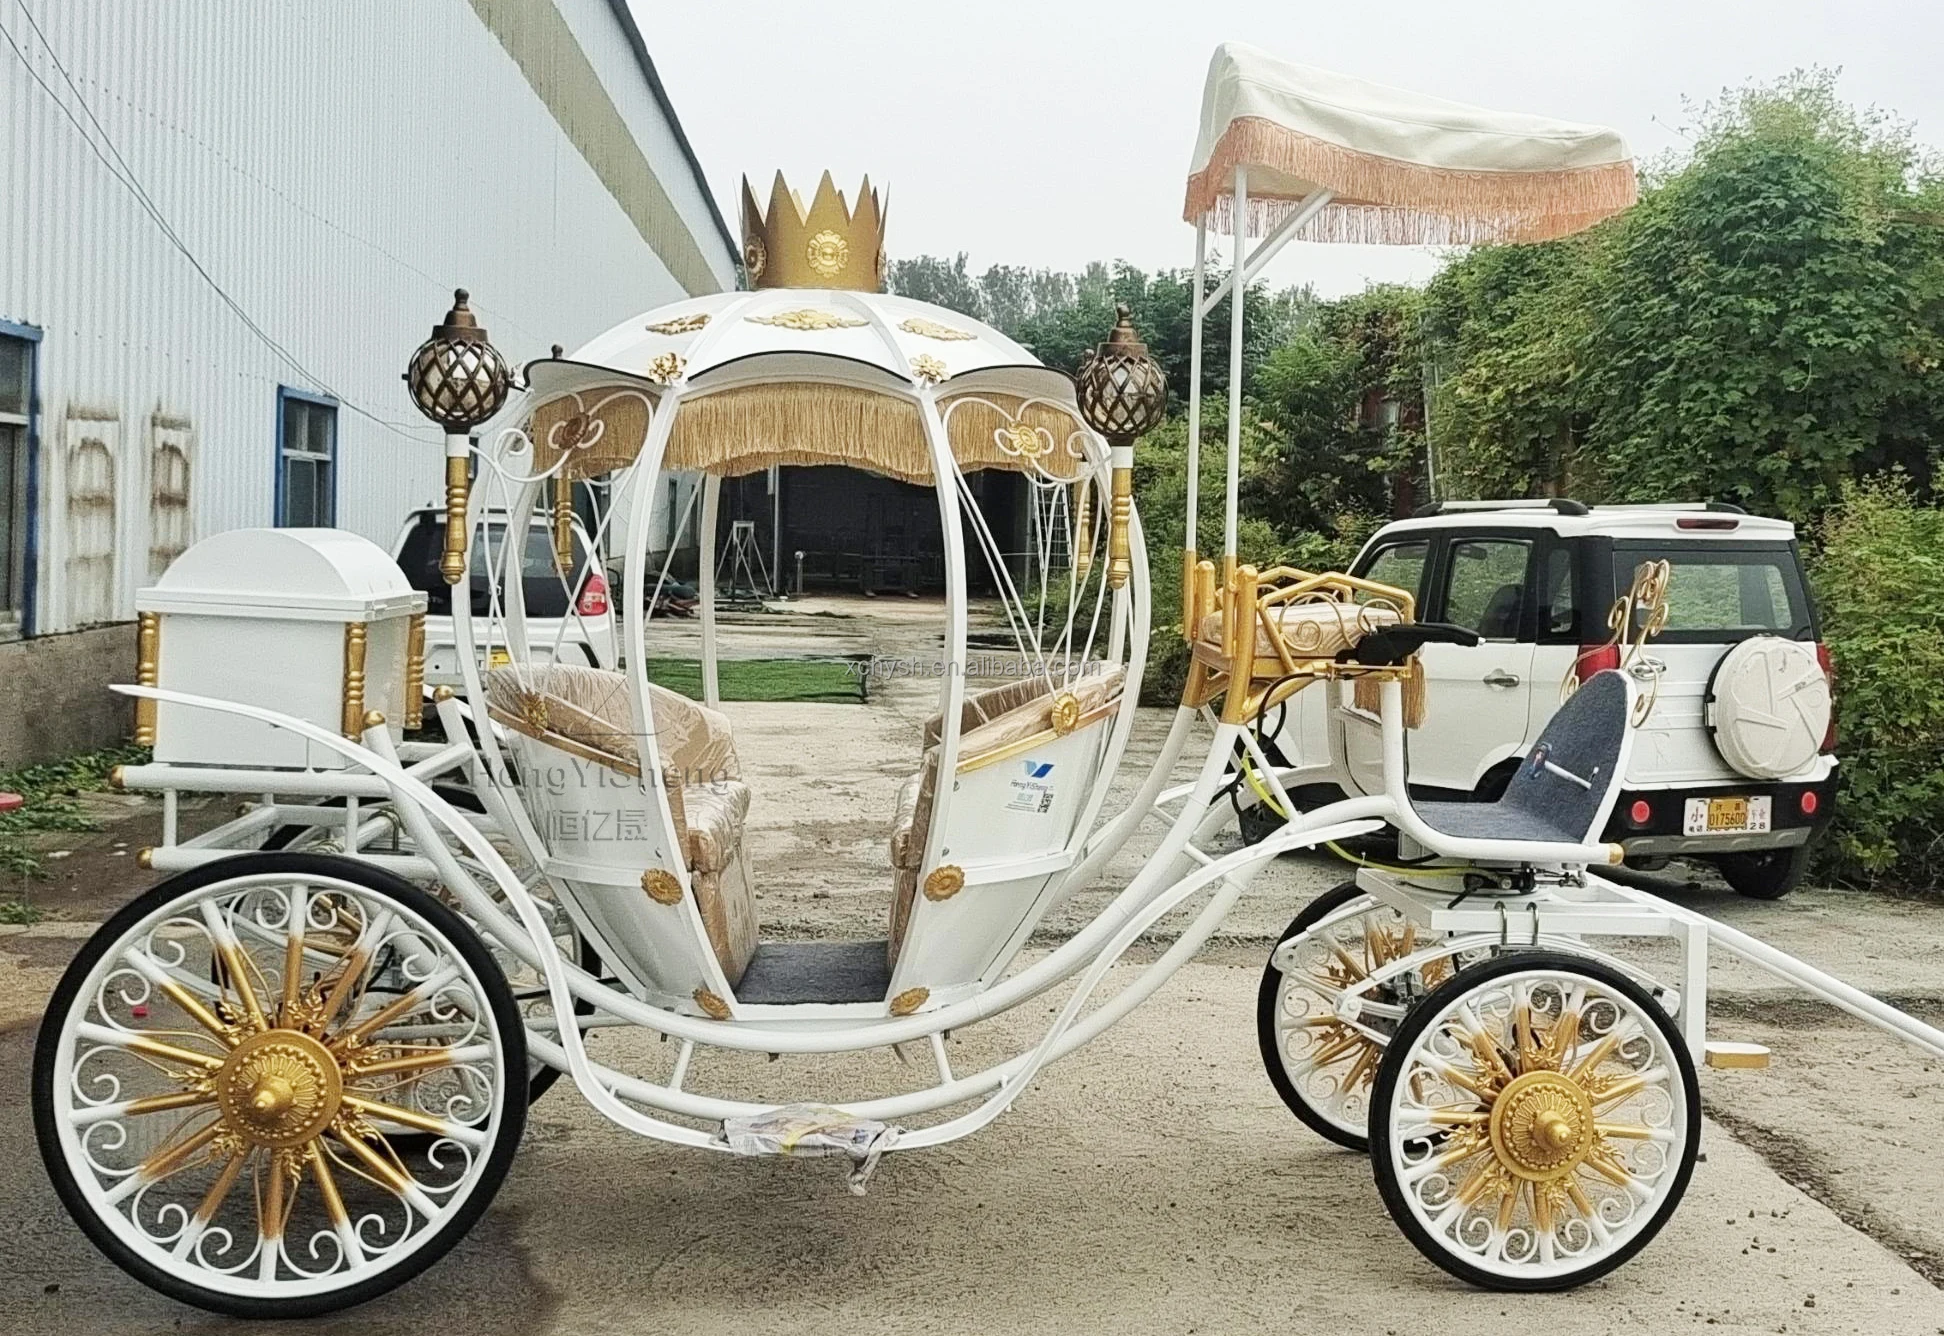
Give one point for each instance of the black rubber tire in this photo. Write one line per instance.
(1312, 914)
(506, 1019)
(1767, 875)
(1258, 823)
(1390, 1071)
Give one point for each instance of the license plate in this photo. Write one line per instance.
(498, 658)
(1727, 816)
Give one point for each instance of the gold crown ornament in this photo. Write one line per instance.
(827, 246)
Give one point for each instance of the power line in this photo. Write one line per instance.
(125, 175)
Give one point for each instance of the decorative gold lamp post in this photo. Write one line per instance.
(1122, 394)
(459, 380)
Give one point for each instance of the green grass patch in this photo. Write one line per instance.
(764, 679)
(50, 791)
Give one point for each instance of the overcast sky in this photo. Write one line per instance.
(1053, 132)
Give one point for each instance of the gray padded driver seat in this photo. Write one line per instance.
(1567, 783)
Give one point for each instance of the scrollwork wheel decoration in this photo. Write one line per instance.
(1321, 1065)
(1535, 1122)
(224, 1070)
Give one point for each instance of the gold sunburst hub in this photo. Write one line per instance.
(1542, 1125)
(279, 1088)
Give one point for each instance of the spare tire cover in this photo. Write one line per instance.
(1770, 707)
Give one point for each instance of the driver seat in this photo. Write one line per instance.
(1566, 786)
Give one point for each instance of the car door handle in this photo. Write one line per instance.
(1498, 677)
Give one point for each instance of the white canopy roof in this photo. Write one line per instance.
(1404, 168)
(808, 376)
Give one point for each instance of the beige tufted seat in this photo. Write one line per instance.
(585, 712)
(989, 720)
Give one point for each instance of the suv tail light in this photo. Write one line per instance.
(594, 598)
(1706, 522)
(1595, 659)
(1828, 665)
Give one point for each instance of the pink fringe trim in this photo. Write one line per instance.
(1388, 202)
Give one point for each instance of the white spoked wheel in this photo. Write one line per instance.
(1321, 1065)
(1535, 1122)
(226, 1071)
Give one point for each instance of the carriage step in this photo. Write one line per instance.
(1721, 1053)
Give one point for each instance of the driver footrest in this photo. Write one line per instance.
(783, 973)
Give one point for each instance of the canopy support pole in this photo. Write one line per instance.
(1266, 249)
(1194, 388)
(705, 542)
(1241, 231)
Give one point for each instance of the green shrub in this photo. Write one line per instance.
(1879, 580)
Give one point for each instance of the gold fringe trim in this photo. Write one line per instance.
(1390, 202)
(1365, 694)
(617, 428)
(747, 430)
(974, 420)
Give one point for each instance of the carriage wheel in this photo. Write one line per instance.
(529, 987)
(1323, 1067)
(1535, 1122)
(231, 1143)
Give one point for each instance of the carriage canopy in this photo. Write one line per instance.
(802, 377)
(1403, 168)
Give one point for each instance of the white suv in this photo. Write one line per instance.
(1733, 765)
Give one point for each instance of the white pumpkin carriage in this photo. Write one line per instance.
(282, 1082)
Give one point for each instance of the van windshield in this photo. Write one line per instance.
(1722, 593)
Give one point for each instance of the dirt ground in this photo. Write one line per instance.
(1150, 1183)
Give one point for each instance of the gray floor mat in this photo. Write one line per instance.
(784, 972)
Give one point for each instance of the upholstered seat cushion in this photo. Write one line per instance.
(586, 711)
(905, 851)
(1311, 630)
(714, 815)
(589, 708)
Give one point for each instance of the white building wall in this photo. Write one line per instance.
(337, 169)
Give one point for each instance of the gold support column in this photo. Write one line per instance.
(148, 646)
(453, 564)
(1082, 529)
(354, 680)
(415, 672)
(563, 522)
(1119, 559)
(1239, 625)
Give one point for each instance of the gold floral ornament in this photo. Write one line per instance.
(928, 369)
(662, 886)
(666, 367)
(578, 432)
(809, 320)
(931, 329)
(944, 881)
(827, 253)
(754, 257)
(1065, 714)
(684, 324)
(1026, 441)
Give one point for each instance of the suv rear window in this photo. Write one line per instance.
(1723, 593)
(424, 545)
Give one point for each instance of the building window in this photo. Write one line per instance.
(17, 348)
(306, 460)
